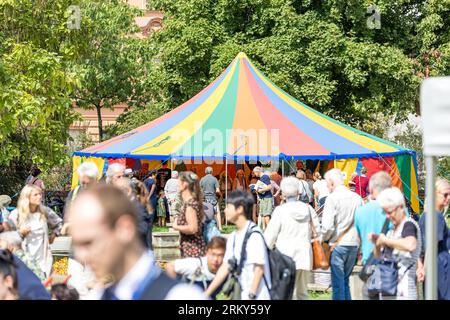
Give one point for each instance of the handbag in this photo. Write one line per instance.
(320, 258)
(210, 230)
(384, 279)
(329, 249)
(369, 267)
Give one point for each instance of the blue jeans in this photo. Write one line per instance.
(343, 259)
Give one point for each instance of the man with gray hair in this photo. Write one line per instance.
(210, 187)
(171, 191)
(370, 217)
(87, 175)
(12, 241)
(115, 172)
(339, 230)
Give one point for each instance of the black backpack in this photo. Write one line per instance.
(282, 270)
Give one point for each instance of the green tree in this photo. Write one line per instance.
(321, 52)
(112, 67)
(35, 108)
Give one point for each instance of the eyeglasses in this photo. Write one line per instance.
(391, 211)
(445, 194)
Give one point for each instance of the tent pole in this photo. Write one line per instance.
(226, 185)
(430, 231)
(282, 167)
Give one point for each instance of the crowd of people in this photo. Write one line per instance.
(110, 222)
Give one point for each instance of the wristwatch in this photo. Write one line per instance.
(252, 296)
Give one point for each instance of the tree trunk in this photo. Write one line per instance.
(100, 123)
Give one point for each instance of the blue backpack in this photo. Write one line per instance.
(210, 230)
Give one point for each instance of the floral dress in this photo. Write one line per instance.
(191, 245)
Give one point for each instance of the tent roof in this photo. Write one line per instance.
(243, 115)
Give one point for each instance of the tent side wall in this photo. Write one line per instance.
(402, 169)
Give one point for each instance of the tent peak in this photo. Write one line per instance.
(242, 55)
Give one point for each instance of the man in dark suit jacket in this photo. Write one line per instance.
(105, 234)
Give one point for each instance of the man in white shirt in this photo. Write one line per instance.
(255, 276)
(105, 235)
(200, 271)
(171, 191)
(338, 228)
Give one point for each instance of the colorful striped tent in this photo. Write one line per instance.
(242, 115)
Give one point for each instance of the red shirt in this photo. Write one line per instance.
(361, 184)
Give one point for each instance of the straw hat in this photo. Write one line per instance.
(5, 200)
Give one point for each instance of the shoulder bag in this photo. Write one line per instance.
(320, 258)
(368, 267)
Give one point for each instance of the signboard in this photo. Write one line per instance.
(435, 111)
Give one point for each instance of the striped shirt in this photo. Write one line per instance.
(407, 261)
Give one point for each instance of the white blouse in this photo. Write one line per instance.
(36, 244)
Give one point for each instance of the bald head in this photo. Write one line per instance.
(109, 202)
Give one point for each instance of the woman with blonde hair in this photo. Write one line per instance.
(239, 182)
(442, 198)
(33, 221)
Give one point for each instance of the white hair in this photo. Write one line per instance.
(289, 187)
(88, 169)
(257, 169)
(334, 175)
(12, 238)
(391, 198)
(209, 170)
(380, 181)
(174, 174)
(113, 170)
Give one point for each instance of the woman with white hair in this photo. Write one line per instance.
(403, 243)
(443, 237)
(290, 231)
(33, 221)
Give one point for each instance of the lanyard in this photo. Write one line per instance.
(153, 273)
